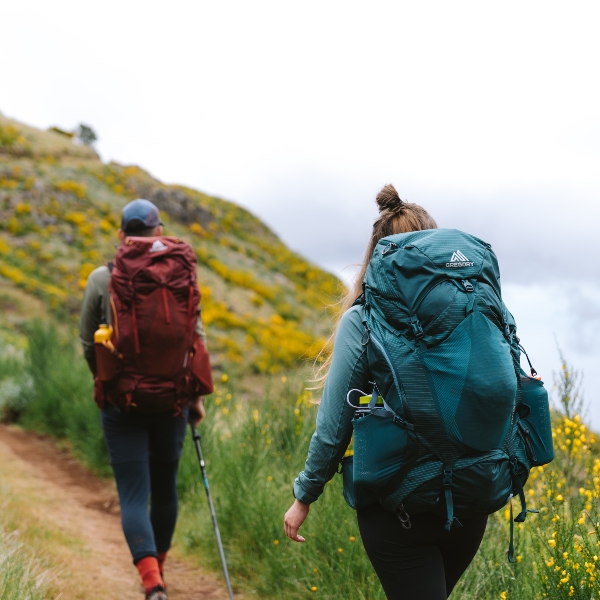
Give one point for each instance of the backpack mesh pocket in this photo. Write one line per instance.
(380, 446)
(472, 379)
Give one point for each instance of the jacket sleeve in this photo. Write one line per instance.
(349, 370)
(94, 310)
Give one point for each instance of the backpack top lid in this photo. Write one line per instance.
(138, 252)
(146, 262)
(406, 266)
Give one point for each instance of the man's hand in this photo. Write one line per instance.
(197, 411)
(293, 520)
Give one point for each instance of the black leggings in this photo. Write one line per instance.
(423, 562)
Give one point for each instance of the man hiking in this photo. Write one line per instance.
(145, 345)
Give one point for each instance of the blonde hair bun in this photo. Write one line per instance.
(388, 199)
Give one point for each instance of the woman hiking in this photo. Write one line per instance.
(421, 555)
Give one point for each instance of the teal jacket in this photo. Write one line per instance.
(349, 370)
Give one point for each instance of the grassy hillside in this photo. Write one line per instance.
(59, 212)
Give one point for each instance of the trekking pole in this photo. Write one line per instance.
(196, 437)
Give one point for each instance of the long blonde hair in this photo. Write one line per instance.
(395, 216)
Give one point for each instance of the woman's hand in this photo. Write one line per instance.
(293, 520)
(197, 411)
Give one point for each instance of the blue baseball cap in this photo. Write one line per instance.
(139, 214)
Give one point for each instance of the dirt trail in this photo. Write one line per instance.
(96, 563)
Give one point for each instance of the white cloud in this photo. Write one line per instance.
(484, 113)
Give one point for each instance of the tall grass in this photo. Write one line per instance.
(254, 455)
(254, 451)
(21, 578)
(54, 394)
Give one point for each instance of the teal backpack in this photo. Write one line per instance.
(453, 424)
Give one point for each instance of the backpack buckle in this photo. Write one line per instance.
(447, 479)
(417, 329)
(402, 423)
(468, 286)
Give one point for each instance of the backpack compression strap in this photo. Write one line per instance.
(447, 485)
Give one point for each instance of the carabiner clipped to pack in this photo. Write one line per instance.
(403, 517)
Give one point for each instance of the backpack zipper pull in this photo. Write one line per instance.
(533, 371)
(388, 248)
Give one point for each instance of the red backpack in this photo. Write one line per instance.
(155, 301)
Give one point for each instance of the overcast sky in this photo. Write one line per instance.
(487, 114)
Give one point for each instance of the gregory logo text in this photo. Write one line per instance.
(459, 260)
(158, 246)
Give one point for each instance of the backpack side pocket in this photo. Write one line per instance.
(356, 498)
(380, 448)
(535, 427)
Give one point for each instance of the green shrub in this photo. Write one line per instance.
(56, 395)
